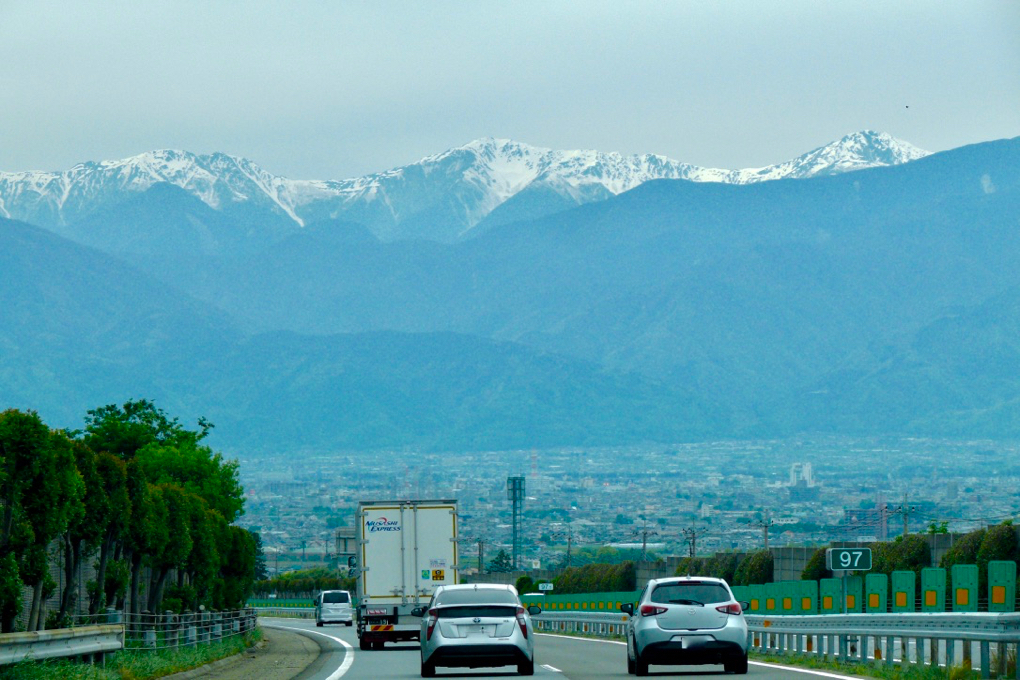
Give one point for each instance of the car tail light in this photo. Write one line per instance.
(433, 617)
(734, 609)
(651, 610)
(522, 622)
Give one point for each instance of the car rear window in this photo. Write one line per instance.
(476, 611)
(694, 591)
(480, 596)
(338, 597)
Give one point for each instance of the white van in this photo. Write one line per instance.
(333, 606)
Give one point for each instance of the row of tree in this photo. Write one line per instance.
(739, 570)
(913, 553)
(305, 583)
(134, 489)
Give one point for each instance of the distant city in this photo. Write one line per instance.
(730, 495)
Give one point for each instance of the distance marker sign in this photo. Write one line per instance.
(848, 559)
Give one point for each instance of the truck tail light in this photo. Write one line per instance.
(651, 610)
(522, 622)
(734, 609)
(433, 617)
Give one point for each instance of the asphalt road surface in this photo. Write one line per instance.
(555, 657)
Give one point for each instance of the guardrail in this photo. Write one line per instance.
(91, 637)
(983, 640)
(286, 612)
(89, 643)
(586, 623)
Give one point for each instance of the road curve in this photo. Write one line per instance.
(555, 657)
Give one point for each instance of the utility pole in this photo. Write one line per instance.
(764, 525)
(570, 537)
(904, 510)
(691, 535)
(481, 555)
(645, 533)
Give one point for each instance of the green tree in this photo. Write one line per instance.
(87, 529)
(755, 569)
(999, 543)
(964, 551)
(40, 495)
(524, 584)
(174, 553)
(237, 569)
(111, 472)
(815, 569)
(501, 563)
(261, 570)
(52, 502)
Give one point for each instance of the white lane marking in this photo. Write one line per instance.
(584, 639)
(821, 674)
(809, 671)
(348, 649)
(551, 668)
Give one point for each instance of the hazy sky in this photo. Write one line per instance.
(339, 89)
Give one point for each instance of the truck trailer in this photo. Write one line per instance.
(405, 548)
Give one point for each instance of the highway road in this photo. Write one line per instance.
(555, 657)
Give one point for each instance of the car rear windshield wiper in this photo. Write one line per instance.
(702, 604)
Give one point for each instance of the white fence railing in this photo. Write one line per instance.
(287, 612)
(986, 641)
(584, 623)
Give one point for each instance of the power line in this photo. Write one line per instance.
(644, 533)
(691, 536)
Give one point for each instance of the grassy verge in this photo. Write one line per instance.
(133, 665)
(870, 670)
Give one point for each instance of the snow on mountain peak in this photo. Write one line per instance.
(471, 180)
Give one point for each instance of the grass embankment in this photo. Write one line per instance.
(134, 665)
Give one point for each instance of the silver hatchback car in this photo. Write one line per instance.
(686, 621)
(476, 626)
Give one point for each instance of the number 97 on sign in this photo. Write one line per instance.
(848, 559)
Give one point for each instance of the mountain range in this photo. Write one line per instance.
(441, 197)
(881, 300)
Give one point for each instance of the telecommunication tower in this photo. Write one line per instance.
(515, 494)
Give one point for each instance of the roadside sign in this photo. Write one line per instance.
(545, 586)
(848, 559)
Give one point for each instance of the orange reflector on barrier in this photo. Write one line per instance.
(901, 599)
(872, 599)
(931, 598)
(962, 596)
(998, 594)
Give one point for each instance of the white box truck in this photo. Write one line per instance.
(405, 548)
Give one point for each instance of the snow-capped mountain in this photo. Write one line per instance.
(440, 197)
